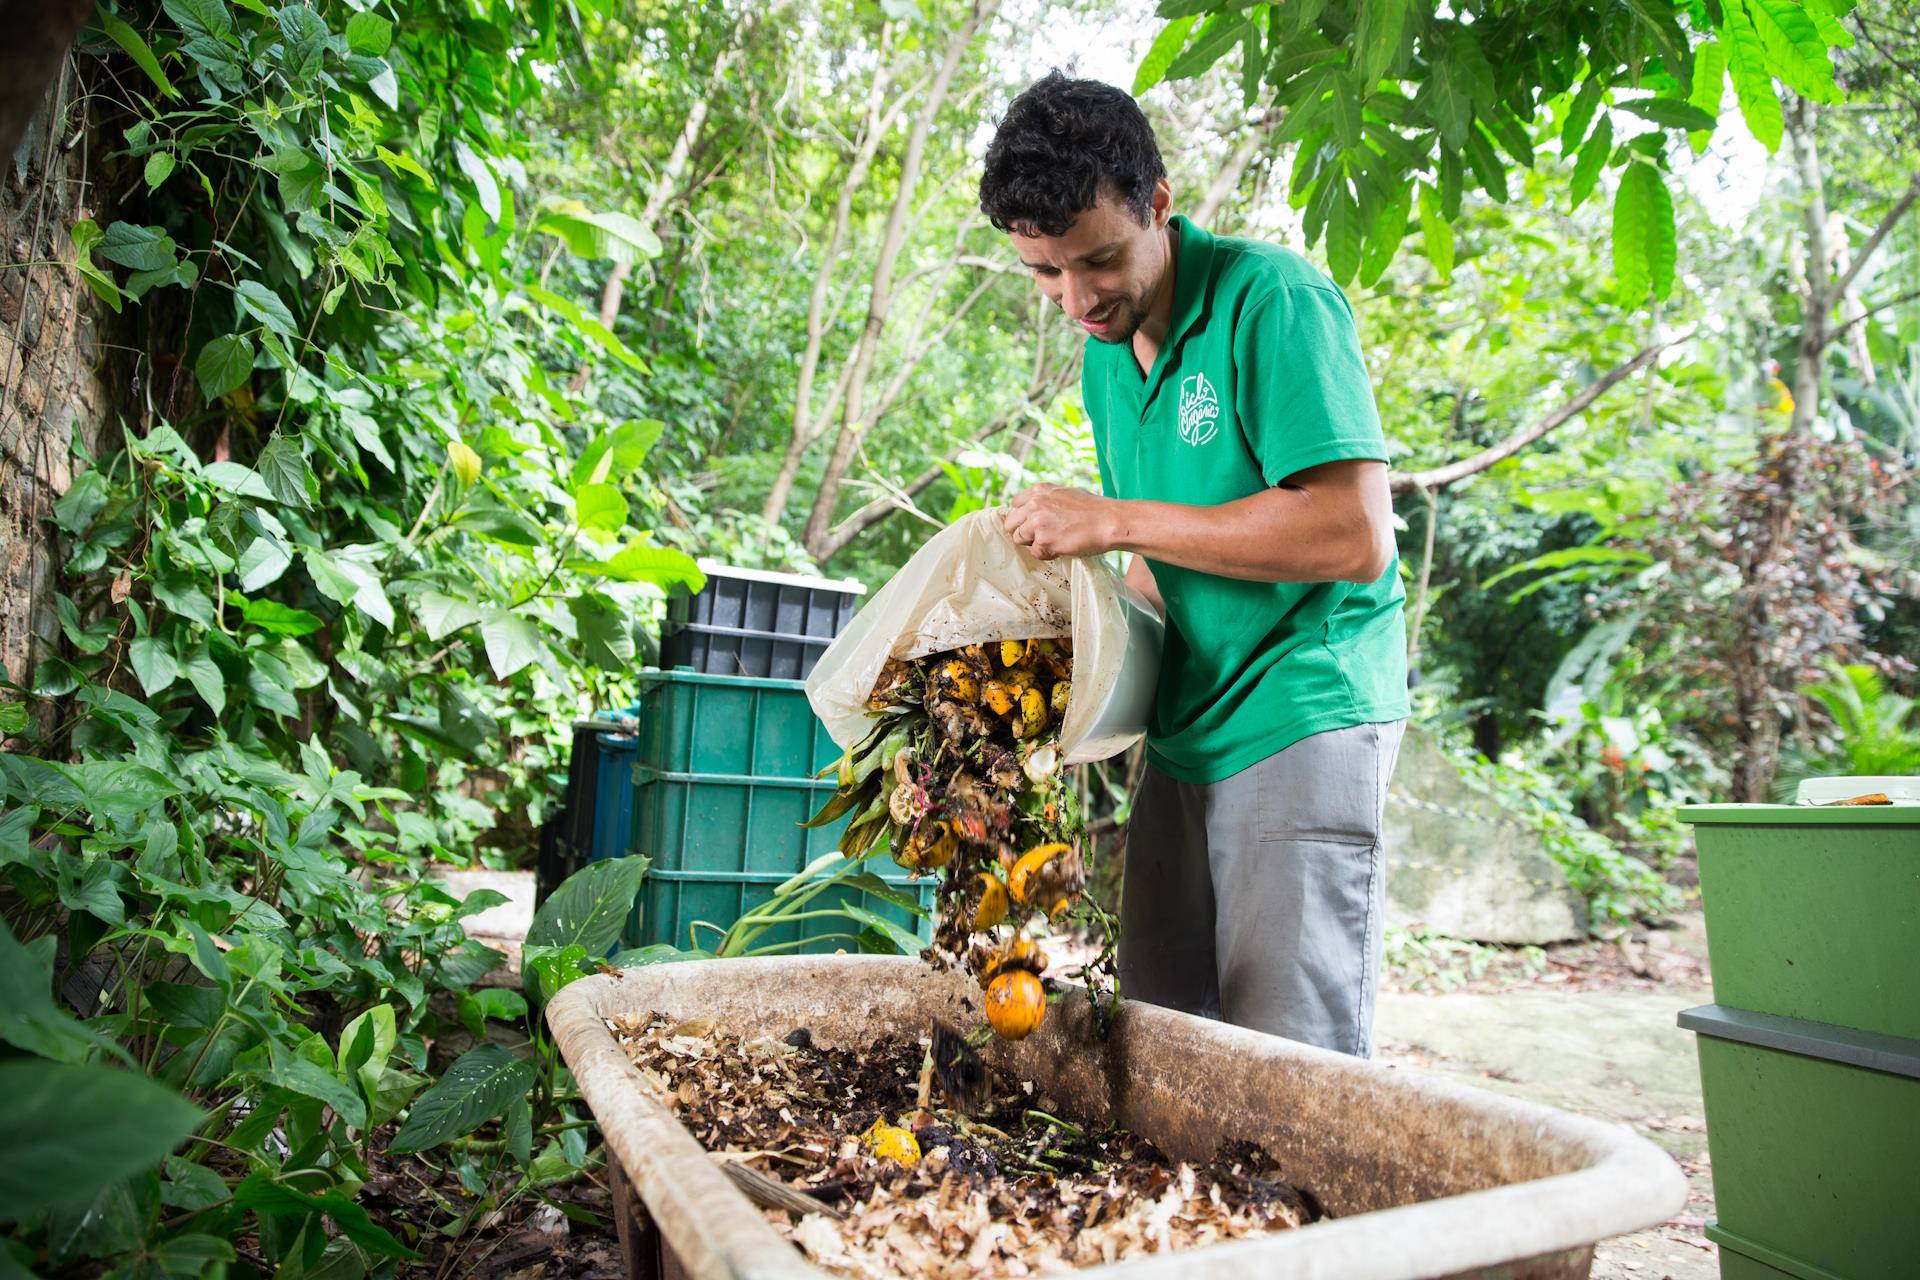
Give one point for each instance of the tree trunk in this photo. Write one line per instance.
(35, 49)
(804, 431)
(880, 292)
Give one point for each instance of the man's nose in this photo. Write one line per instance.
(1075, 298)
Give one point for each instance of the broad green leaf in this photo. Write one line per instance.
(904, 941)
(86, 234)
(1218, 34)
(1827, 23)
(260, 1193)
(205, 677)
(283, 466)
(1487, 167)
(500, 524)
(662, 566)
(1573, 130)
(197, 1254)
(1643, 237)
(136, 48)
(1160, 55)
(1378, 37)
(605, 631)
(369, 34)
(586, 324)
(1794, 50)
(615, 455)
(159, 168)
(1670, 113)
(1383, 238)
(1593, 154)
(476, 1089)
(231, 477)
(1437, 233)
(264, 305)
(30, 1019)
(379, 1025)
(191, 1186)
(310, 1081)
(400, 162)
(280, 619)
(1669, 41)
(264, 560)
(614, 236)
(480, 176)
(1443, 99)
(1343, 235)
(600, 508)
(121, 788)
(366, 433)
(1709, 82)
(591, 906)
(138, 248)
(443, 615)
(70, 1131)
(1752, 81)
(153, 664)
(348, 582)
(225, 363)
(512, 641)
(519, 1130)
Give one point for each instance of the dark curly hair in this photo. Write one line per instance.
(1059, 143)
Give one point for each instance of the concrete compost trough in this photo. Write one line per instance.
(1420, 1177)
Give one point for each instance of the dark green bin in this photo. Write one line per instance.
(730, 725)
(1814, 913)
(1810, 1057)
(722, 781)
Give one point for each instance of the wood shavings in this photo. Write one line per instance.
(1018, 1190)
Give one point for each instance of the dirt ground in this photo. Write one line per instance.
(1594, 1033)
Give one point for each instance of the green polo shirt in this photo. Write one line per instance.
(1260, 378)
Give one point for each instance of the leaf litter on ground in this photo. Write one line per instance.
(1014, 1189)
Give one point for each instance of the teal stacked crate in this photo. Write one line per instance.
(723, 776)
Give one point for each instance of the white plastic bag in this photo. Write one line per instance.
(973, 584)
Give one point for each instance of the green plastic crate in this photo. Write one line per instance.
(1815, 1137)
(721, 843)
(1811, 911)
(722, 781)
(729, 725)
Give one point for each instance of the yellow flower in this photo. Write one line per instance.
(464, 461)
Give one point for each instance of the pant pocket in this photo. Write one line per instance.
(1323, 788)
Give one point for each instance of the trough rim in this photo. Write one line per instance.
(718, 1234)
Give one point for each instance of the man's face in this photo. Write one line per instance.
(1105, 271)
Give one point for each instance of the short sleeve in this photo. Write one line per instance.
(1300, 386)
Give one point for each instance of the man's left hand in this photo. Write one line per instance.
(1053, 521)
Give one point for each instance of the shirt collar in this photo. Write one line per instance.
(1193, 267)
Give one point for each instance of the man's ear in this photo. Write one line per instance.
(1160, 204)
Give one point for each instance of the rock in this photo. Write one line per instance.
(1459, 866)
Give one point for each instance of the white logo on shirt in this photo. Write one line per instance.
(1199, 410)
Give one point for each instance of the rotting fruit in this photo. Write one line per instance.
(1016, 1004)
(960, 773)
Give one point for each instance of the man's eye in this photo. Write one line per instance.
(1104, 262)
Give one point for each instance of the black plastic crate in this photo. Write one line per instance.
(566, 839)
(732, 651)
(759, 602)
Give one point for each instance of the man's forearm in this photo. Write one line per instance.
(1278, 535)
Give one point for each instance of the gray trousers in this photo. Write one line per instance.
(1257, 899)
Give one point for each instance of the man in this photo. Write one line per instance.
(1245, 470)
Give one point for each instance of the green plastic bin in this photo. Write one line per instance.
(721, 782)
(1814, 1132)
(1814, 913)
(739, 726)
(1810, 1055)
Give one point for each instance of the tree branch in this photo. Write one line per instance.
(1454, 472)
(1900, 207)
